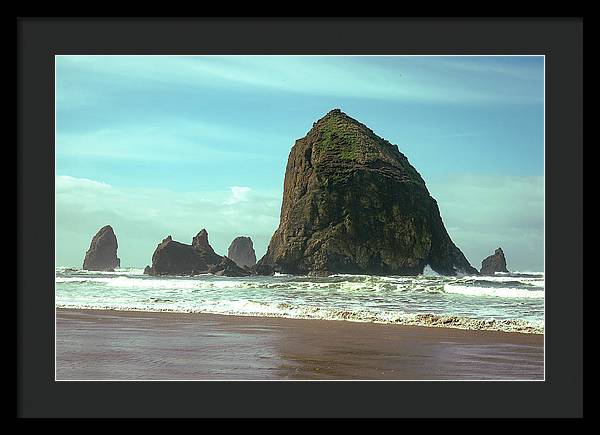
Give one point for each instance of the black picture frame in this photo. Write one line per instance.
(560, 40)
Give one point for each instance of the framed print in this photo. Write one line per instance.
(270, 217)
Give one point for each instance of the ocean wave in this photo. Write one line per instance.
(212, 283)
(364, 285)
(287, 310)
(517, 274)
(137, 283)
(494, 292)
(462, 322)
(462, 302)
(428, 271)
(535, 281)
(117, 271)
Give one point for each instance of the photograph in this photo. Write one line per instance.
(299, 217)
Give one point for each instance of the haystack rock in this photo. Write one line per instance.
(352, 203)
(494, 263)
(102, 254)
(242, 252)
(175, 258)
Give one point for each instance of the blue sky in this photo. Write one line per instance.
(159, 145)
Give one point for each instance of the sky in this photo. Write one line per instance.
(168, 145)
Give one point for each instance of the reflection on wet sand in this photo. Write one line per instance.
(168, 346)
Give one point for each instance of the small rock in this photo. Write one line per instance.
(494, 263)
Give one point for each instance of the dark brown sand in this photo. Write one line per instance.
(107, 345)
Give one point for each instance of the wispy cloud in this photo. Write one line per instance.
(65, 182)
(495, 66)
(167, 140)
(238, 194)
(420, 79)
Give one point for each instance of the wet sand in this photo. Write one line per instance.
(121, 345)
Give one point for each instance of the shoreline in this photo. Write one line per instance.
(439, 323)
(145, 345)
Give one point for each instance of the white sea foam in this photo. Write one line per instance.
(348, 276)
(117, 271)
(428, 271)
(284, 310)
(458, 302)
(506, 278)
(522, 272)
(376, 284)
(126, 282)
(495, 292)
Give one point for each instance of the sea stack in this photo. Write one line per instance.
(352, 203)
(174, 258)
(102, 254)
(494, 263)
(228, 267)
(242, 252)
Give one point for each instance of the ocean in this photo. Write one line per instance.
(506, 302)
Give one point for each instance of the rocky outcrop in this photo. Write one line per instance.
(242, 252)
(175, 258)
(352, 203)
(494, 263)
(102, 254)
(262, 269)
(200, 242)
(228, 267)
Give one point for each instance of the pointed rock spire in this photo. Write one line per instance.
(201, 241)
(102, 254)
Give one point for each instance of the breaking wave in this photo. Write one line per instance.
(513, 302)
(493, 292)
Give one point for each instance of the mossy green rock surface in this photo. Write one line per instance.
(352, 203)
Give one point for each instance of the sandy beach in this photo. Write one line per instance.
(122, 345)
